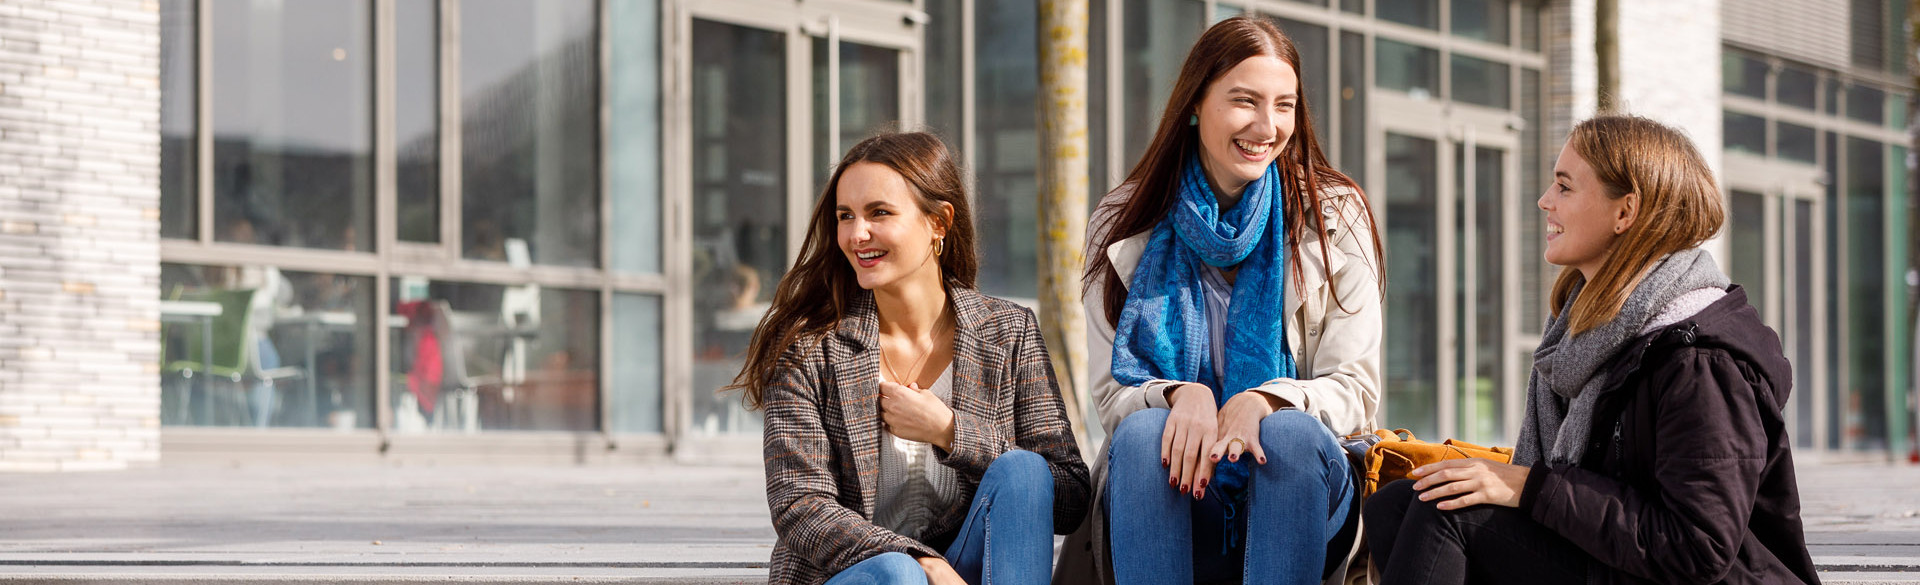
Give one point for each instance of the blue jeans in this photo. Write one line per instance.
(1296, 504)
(1007, 538)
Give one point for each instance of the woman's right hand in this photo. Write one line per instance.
(939, 572)
(1190, 433)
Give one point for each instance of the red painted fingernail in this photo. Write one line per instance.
(1233, 458)
(1163, 462)
(1263, 461)
(1213, 457)
(1173, 480)
(1203, 486)
(1183, 487)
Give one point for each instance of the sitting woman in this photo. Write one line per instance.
(914, 432)
(1653, 448)
(1233, 300)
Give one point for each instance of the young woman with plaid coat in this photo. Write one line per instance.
(914, 431)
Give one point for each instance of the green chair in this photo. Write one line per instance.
(229, 356)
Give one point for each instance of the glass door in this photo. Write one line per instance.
(1775, 238)
(1450, 211)
(776, 93)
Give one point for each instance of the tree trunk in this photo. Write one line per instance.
(1063, 197)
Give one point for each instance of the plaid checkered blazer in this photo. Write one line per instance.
(822, 436)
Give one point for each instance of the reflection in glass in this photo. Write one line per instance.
(1483, 82)
(255, 346)
(1744, 133)
(1482, 384)
(1793, 142)
(1534, 270)
(482, 357)
(1796, 87)
(944, 73)
(1484, 20)
(529, 132)
(1866, 104)
(1007, 155)
(637, 376)
(739, 214)
(1743, 75)
(416, 120)
(1866, 285)
(1353, 106)
(293, 123)
(633, 144)
(1408, 68)
(179, 152)
(1747, 244)
(1797, 268)
(1420, 13)
(1311, 40)
(1158, 35)
(869, 100)
(1354, 6)
(1412, 353)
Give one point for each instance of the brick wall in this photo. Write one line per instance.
(79, 234)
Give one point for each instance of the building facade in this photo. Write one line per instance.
(496, 229)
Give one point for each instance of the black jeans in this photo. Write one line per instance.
(1414, 542)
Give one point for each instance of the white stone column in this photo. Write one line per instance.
(79, 234)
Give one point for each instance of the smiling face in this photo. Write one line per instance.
(1582, 221)
(1246, 117)
(882, 230)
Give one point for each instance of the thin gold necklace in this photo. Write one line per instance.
(917, 363)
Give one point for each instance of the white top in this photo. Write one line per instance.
(914, 487)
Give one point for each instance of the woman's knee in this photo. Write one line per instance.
(1140, 432)
(1025, 472)
(1295, 438)
(889, 567)
(1389, 503)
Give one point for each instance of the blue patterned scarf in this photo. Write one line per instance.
(1162, 333)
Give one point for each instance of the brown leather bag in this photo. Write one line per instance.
(1385, 456)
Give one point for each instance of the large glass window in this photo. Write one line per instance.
(1412, 196)
(1007, 76)
(471, 357)
(293, 123)
(869, 100)
(1534, 273)
(1409, 68)
(1484, 20)
(1866, 104)
(179, 151)
(739, 253)
(1482, 82)
(633, 145)
(1159, 34)
(1793, 142)
(416, 120)
(1743, 75)
(1748, 244)
(529, 132)
(944, 74)
(1796, 87)
(1479, 245)
(637, 375)
(1311, 40)
(1744, 133)
(1866, 334)
(256, 346)
(1420, 13)
(1353, 105)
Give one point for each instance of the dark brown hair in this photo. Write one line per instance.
(815, 294)
(1303, 167)
(1679, 208)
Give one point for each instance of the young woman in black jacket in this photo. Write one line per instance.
(1653, 448)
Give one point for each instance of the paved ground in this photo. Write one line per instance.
(666, 524)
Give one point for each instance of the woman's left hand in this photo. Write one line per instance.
(1240, 419)
(916, 415)
(1471, 481)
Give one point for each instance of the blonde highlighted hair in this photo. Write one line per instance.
(1680, 208)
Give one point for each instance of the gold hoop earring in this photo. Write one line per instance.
(939, 245)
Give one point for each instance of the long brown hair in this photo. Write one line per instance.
(1303, 167)
(816, 293)
(1679, 208)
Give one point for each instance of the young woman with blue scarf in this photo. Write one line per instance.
(1233, 290)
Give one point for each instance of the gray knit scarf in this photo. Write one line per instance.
(1563, 388)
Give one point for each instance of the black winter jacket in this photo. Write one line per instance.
(1688, 477)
